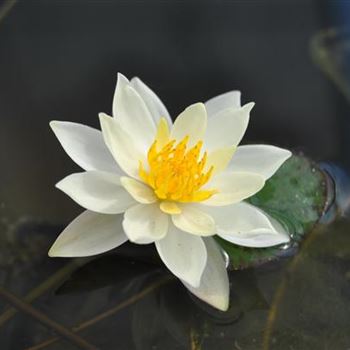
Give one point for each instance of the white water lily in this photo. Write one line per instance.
(149, 180)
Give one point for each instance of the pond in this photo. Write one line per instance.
(59, 60)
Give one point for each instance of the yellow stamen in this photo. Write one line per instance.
(176, 173)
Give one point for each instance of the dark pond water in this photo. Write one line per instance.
(58, 60)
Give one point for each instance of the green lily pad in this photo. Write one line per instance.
(296, 196)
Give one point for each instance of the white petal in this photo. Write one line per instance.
(214, 287)
(246, 225)
(233, 187)
(153, 102)
(239, 218)
(97, 191)
(145, 223)
(191, 122)
(89, 234)
(260, 159)
(227, 127)
(259, 239)
(219, 159)
(138, 190)
(169, 207)
(231, 99)
(193, 220)
(121, 145)
(85, 146)
(132, 113)
(185, 255)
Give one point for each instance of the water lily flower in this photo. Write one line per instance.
(149, 180)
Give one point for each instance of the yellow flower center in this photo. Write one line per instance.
(176, 172)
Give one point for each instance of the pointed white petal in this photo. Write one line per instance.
(122, 83)
(138, 190)
(260, 159)
(121, 145)
(193, 220)
(145, 223)
(246, 225)
(153, 102)
(259, 239)
(233, 187)
(85, 146)
(97, 191)
(214, 287)
(89, 234)
(239, 218)
(227, 127)
(191, 122)
(185, 255)
(132, 113)
(231, 99)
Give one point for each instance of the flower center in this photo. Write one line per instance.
(177, 172)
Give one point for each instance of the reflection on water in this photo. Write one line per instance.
(331, 51)
(339, 191)
(117, 301)
(312, 302)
